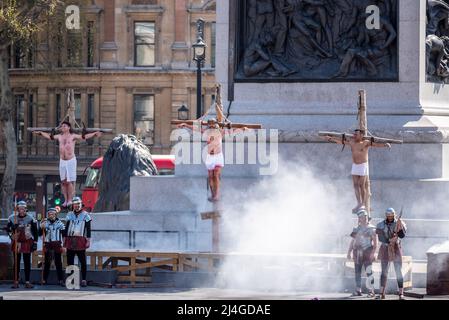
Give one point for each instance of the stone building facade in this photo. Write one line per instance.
(130, 65)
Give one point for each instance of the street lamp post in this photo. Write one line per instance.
(183, 113)
(199, 55)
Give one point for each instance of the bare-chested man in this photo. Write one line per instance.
(360, 168)
(214, 160)
(67, 158)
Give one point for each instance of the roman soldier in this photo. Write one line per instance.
(362, 247)
(77, 236)
(22, 228)
(52, 229)
(390, 232)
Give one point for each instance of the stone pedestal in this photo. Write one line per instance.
(410, 109)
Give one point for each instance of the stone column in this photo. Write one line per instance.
(109, 47)
(179, 47)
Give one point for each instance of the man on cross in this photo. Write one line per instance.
(214, 160)
(360, 167)
(67, 161)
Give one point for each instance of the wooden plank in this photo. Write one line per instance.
(350, 135)
(100, 263)
(148, 270)
(194, 264)
(136, 279)
(146, 265)
(133, 270)
(105, 264)
(228, 125)
(210, 215)
(181, 260)
(92, 262)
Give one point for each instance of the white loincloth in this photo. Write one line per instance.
(360, 169)
(67, 169)
(214, 160)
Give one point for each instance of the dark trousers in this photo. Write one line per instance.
(358, 274)
(82, 259)
(26, 262)
(397, 269)
(49, 255)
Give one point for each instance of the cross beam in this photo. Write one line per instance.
(76, 130)
(349, 135)
(221, 119)
(228, 125)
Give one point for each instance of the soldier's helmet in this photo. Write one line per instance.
(21, 204)
(362, 212)
(390, 211)
(52, 210)
(76, 200)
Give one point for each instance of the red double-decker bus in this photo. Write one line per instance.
(165, 165)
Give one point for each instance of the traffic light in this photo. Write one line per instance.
(57, 196)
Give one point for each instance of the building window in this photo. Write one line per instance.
(90, 44)
(144, 45)
(213, 45)
(58, 109)
(22, 56)
(78, 108)
(20, 118)
(59, 43)
(30, 116)
(30, 58)
(90, 114)
(144, 118)
(90, 110)
(74, 48)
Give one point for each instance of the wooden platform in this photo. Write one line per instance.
(134, 266)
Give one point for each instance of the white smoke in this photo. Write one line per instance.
(298, 211)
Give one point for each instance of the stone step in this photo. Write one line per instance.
(424, 198)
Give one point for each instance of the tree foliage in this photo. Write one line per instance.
(19, 21)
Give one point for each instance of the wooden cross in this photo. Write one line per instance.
(363, 125)
(70, 117)
(221, 120)
(215, 217)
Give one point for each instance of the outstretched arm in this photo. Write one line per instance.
(87, 136)
(336, 140)
(46, 135)
(380, 145)
(92, 134)
(191, 127)
(236, 131)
